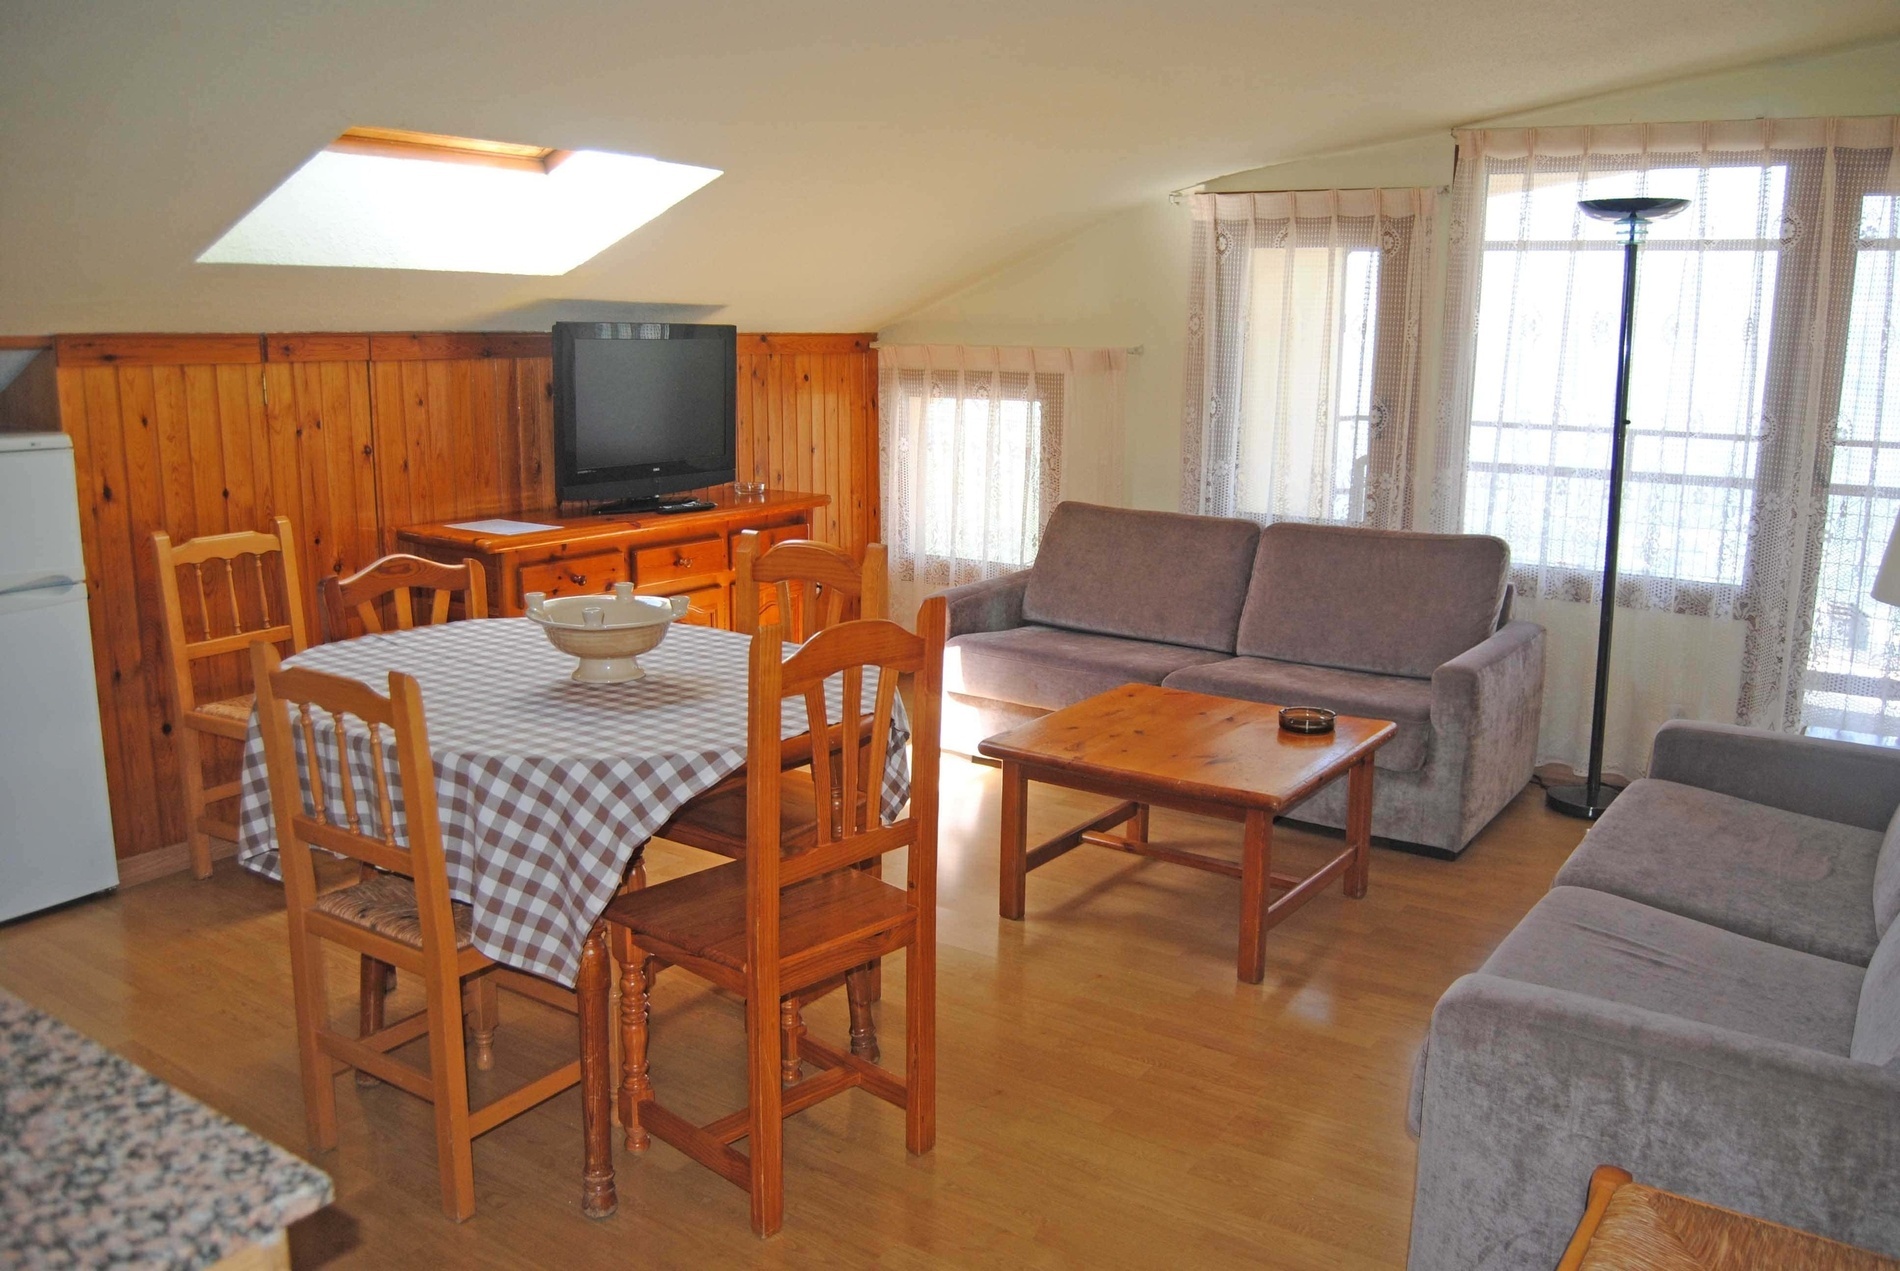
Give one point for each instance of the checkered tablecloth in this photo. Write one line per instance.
(546, 788)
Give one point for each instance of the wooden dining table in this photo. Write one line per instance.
(549, 789)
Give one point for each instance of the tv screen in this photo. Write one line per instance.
(642, 409)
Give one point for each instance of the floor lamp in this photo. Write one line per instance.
(1632, 218)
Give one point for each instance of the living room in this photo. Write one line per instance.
(1131, 375)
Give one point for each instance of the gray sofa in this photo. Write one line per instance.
(1709, 997)
(1408, 627)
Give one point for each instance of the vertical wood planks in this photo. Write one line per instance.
(353, 437)
(808, 421)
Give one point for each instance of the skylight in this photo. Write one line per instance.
(384, 199)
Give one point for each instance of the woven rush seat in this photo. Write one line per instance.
(230, 714)
(716, 823)
(704, 915)
(386, 905)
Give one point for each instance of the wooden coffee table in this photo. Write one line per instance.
(1215, 756)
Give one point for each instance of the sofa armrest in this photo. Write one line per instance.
(1501, 673)
(994, 604)
(1833, 780)
(1528, 1089)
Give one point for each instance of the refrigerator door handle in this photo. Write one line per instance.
(48, 582)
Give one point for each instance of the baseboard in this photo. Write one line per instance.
(176, 859)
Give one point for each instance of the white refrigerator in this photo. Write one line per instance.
(55, 823)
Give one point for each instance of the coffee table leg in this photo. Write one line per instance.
(1256, 863)
(1359, 827)
(591, 994)
(1138, 828)
(1011, 885)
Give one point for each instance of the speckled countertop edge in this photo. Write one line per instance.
(102, 1164)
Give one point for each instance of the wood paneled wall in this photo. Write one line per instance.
(353, 436)
(808, 421)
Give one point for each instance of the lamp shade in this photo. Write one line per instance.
(1887, 581)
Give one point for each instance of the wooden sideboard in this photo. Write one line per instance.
(683, 554)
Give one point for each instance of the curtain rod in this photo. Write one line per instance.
(1132, 350)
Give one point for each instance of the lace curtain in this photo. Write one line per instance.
(1303, 354)
(979, 445)
(1751, 499)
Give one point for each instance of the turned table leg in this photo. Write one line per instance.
(591, 992)
(792, 1025)
(636, 986)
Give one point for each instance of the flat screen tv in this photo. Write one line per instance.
(642, 409)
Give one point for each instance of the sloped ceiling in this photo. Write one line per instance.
(875, 155)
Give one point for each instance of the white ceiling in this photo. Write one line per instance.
(875, 156)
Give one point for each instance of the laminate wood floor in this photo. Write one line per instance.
(1110, 1096)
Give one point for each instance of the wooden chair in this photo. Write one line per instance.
(812, 580)
(812, 583)
(784, 928)
(402, 916)
(216, 593)
(396, 577)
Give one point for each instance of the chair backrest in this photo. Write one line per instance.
(851, 830)
(231, 602)
(826, 577)
(395, 577)
(340, 796)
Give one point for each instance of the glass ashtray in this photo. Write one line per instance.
(1307, 719)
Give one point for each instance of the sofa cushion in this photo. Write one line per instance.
(1147, 575)
(1877, 1022)
(1050, 668)
(1887, 877)
(1616, 950)
(1382, 601)
(1778, 876)
(1406, 702)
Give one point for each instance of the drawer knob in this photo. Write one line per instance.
(579, 580)
(680, 561)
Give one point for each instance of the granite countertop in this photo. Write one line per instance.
(102, 1164)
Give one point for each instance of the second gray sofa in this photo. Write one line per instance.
(1708, 997)
(1414, 628)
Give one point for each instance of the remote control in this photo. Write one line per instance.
(691, 505)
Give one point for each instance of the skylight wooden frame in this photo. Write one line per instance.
(435, 147)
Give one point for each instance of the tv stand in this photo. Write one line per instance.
(661, 553)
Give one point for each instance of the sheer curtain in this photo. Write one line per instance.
(1302, 358)
(979, 445)
(1742, 324)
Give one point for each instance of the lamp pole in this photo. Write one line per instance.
(1632, 218)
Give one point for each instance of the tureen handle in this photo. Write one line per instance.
(680, 605)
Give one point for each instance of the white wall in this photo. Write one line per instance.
(1124, 279)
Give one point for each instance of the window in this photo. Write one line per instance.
(990, 450)
(1543, 388)
(1302, 366)
(1853, 671)
(1307, 395)
(381, 198)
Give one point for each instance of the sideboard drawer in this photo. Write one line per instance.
(691, 559)
(576, 576)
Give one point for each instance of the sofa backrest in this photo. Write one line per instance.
(1146, 575)
(1384, 601)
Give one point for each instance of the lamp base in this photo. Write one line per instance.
(1575, 800)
